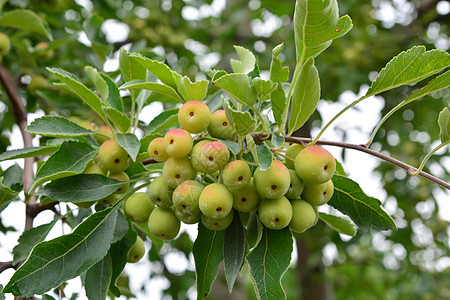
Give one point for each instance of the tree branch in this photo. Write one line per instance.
(410, 169)
(4, 265)
(20, 115)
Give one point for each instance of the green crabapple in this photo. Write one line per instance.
(196, 156)
(137, 251)
(273, 182)
(218, 224)
(219, 126)
(194, 116)
(5, 44)
(315, 165)
(304, 215)
(103, 134)
(214, 156)
(246, 199)
(163, 223)
(215, 201)
(93, 168)
(295, 187)
(138, 207)
(157, 151)
(185, 201)
(275, 213)
(318, 194)
(178, 142)
(236, 174)
(291, 154)
(112, 156)
(160, 193)
(121, 176)
(177, 170)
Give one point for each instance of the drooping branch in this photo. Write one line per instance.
(20, 115)
(363, 148)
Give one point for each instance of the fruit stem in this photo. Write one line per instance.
(415, 172)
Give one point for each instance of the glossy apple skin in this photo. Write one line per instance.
(214, 156)
(218, 224)
(185, 201)
(138, 207)
(275, 213)
(295, 187)
(291, 153)
(177, 170)
(315, 165)
(163, 223)
(137, 251)
(304, 216)
(246, 199)
(196, 158)
(157, 151)
(219, 126)
(194, 116)
(318, 194)
(274, 182)
(178, 143)
(236, 174)
(112, 156)
(215, 201)
(160, 193)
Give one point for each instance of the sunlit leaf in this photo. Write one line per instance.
(444, 125)
(238, 86)
(26, 19)
(28, 152)
(153, 86)
(57, 127)
(242, 122)
(130, 143)
(247, 61)
(339, 224)
(278, 73)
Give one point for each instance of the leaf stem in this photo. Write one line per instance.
(288, 100)
(426, 158)
(390, 113)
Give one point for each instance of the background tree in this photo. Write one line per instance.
(192, 37)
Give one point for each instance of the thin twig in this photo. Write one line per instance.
(20, 115)
(4, 265)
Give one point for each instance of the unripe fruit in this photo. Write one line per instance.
(5, 44)
(246, 199)
(185, 200)
(318, 194)
(315, 165)
(112, 156)
(215, 201)
(104, 133)
(218, 224)
(93, 168)
(219, 126)
(42, 50)
(196, 156)
(214, 156)
(177, 170)
(121, 176)
(186, 218)
(194, 116)
(291, 154)
(163, 223)
(109, 199)
(236, 174)
(160, 193)
(178, 143)
(304, 216)
(137, 251)
(274, 182)
(295, 187)
(39, 82)
(275, 213)
(138, 207)
(157, 151)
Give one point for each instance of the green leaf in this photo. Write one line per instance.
(131, 69)
(339, 224)
(409, 67)
(56, 261)
(165, 120)
(70, 159)
(242, 122)
(98, 278)
(118, 118)
(80, 188)
(305, 96)
(254, 230)
(26, 20)
(444, 125)
(269, 261)
(238, 87)
(208, 253)
(6, 193)
(316, 25)
(234, 250)
(278, 73)
(264, 157)
(114, 99)
(98, 81)
(277, 139)
(119, 250)
(31, 238)
(153, 86)
(247, 61)
(57, 127)
(13, 177)
(191, 90)
(263, 87)
(130, 143)
(80, 89)
(278, 100)
(28, 152)
(436, 84)
(159, 69)
(234, 147)
(365, 211)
